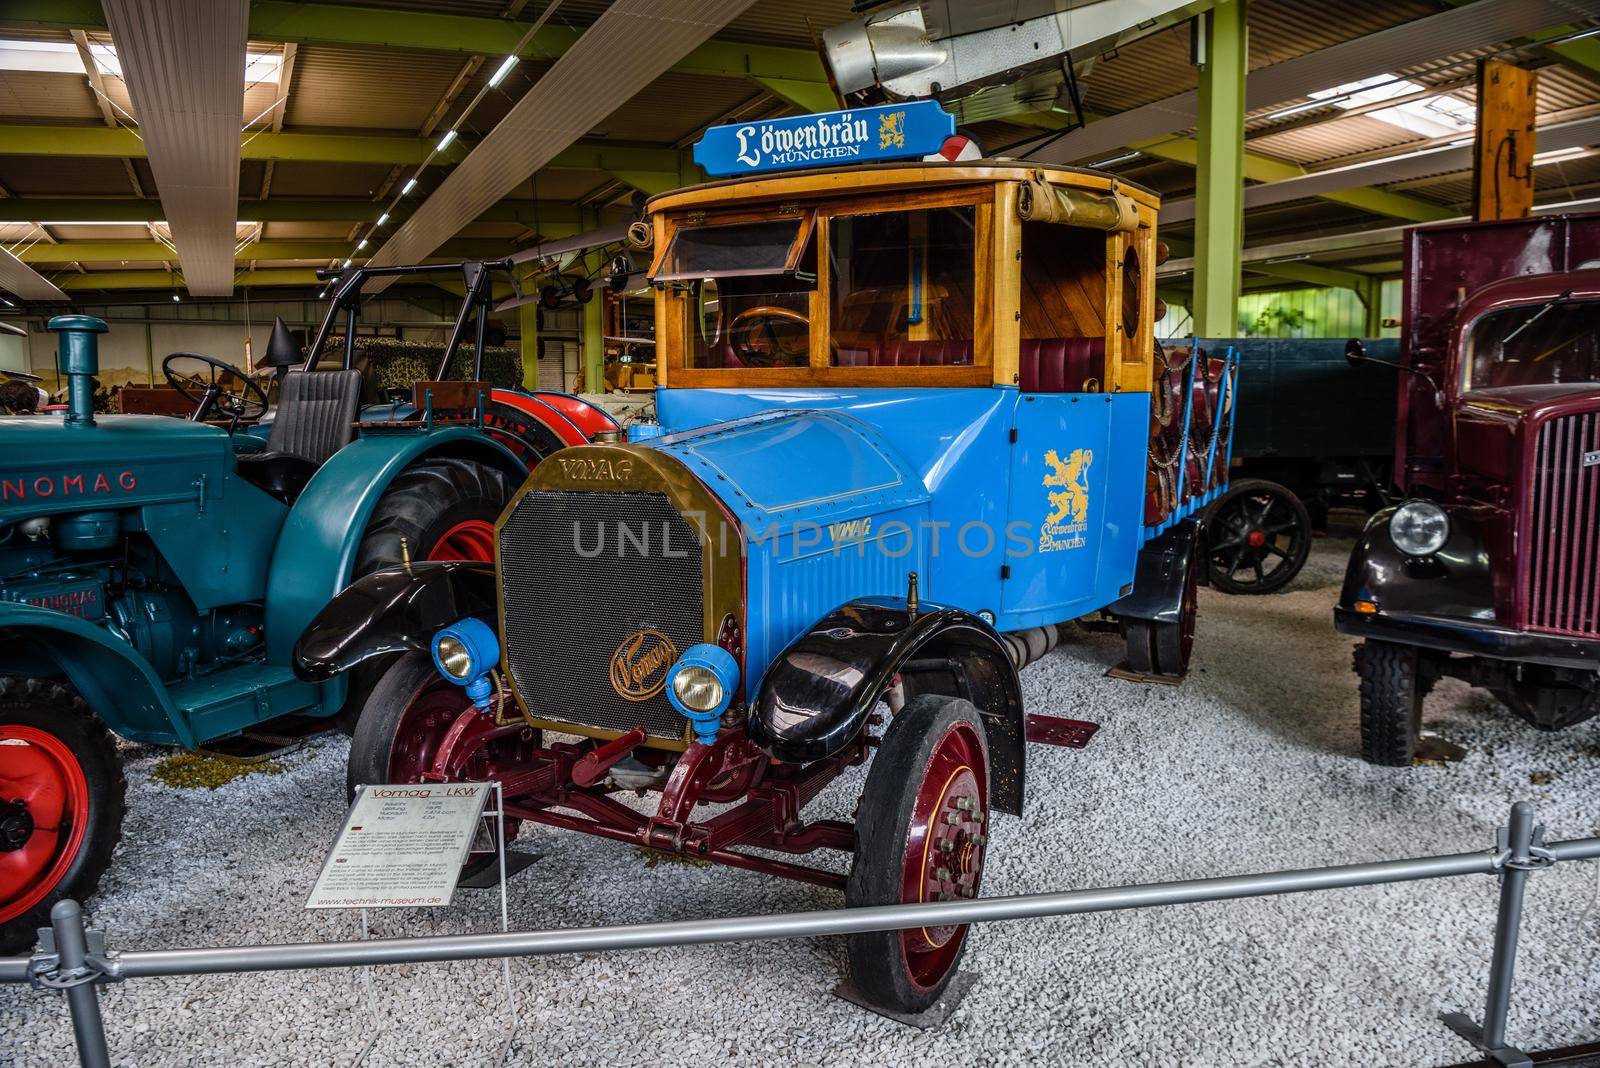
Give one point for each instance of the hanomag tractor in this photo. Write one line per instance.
(156, 571)
(906, 429)
(1490, 570)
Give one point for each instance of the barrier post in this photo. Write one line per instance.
(78, 978)
(1521, 854)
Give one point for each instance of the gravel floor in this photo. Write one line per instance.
(1249, 766)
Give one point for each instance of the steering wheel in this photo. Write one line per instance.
(743, 330)
(207, 391)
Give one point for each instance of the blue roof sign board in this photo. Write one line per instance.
(856, 135)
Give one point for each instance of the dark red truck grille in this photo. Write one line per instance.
(1561, 588)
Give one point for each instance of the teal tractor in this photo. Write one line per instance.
(156, 571)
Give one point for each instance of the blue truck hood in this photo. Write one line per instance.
(797, 466)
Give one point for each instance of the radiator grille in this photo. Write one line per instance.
(567, 613)
(1562, 577)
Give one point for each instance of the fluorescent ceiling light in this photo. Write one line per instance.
(444, 142)
(505, 68)
(1108, 161)
(1556, 155)
(411, 183)
(61, 57)
(382, 219)
(346, 263)
(176, 298)
(361, 244)
(1432, 116)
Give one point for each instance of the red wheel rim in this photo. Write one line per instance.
(945, 848)
(428, 717)
(472, 539)
(40, 770)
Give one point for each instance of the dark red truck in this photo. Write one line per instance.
(1489, 570)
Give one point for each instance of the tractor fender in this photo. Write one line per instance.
(317, 546)
(1158, 576)
(118, 684)
(571, 419)
(392, 611)
(819, 692)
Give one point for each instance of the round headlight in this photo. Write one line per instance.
(697, 687)
(1419, 527)
(453, 656)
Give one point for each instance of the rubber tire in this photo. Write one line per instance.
(1393, 685)
(1140, 638)
(883, 816)
(379, 718)
(1254, 487)
(420, 505)
(1172, 649)
(57, 709)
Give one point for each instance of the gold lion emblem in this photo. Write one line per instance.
(892, 130)
(1074, 499)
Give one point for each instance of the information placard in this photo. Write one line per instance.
(402, 846)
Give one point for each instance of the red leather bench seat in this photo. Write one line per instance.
(1061, 364)
(1048, 365)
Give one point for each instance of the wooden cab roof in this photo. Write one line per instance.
(889, 178)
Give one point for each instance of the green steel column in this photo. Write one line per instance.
(1219, 172)
(528, 327)
(594, 346)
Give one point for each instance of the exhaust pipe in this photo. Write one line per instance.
(78, 357)
(1026, 646)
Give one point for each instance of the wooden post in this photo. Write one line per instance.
(1502, 175)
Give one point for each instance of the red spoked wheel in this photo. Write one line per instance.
(470, 539)
(412, 714)
(61, 804)
(921, 835)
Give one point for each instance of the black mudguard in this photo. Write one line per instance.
(1157, 594)
(1457, 582)
(395, 610)
(819, 692)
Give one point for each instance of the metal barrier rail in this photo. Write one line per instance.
(76, 961)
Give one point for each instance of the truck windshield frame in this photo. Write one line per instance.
(1550, 342)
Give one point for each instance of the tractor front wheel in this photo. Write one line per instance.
(61, 804)
(921, 835)
(402, 726)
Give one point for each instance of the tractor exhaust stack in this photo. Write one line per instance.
(78, 357)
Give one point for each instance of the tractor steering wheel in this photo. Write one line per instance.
(742, 331)
(207, 392)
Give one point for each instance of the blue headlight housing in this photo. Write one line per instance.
(700, 686)
(465, 653)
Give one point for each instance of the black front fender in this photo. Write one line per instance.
(819, 692)
(394, 610)
(1457, 582)
(1160, 573)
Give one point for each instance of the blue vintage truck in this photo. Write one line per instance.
(155, 571)
(907, 427)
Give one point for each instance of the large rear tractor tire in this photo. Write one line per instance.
(921, 835)
(61, 804)
(438, 509)
(1394, 680)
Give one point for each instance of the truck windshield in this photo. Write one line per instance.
(1536, 345)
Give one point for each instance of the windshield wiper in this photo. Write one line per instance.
(1536, 316)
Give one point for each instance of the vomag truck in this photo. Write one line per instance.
(912, 418)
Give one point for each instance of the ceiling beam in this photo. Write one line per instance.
(1477, 25)
(183, 63)
(101, 141)
(546, 215)
(317, 23)
(626, 49)
(1441, 159)
(270, 249)
(274, 276)
(1582, 56)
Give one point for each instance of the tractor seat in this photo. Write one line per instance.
(315, 419)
